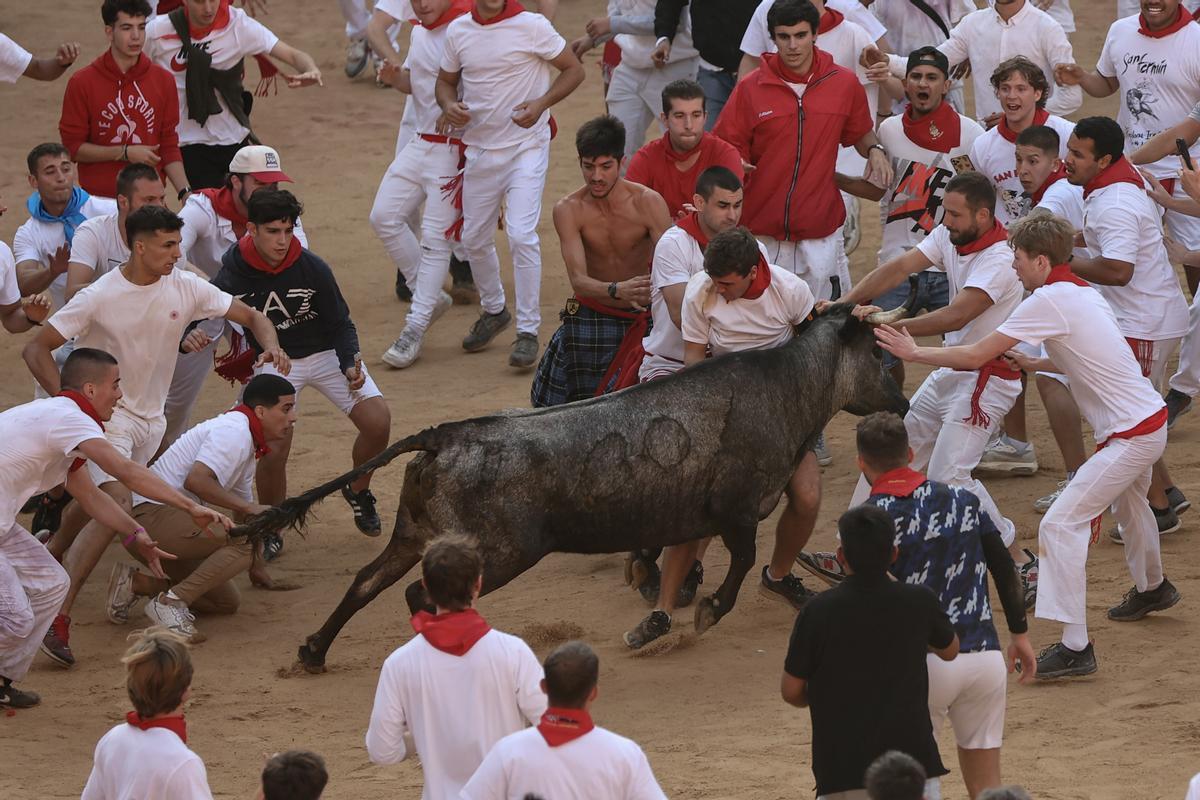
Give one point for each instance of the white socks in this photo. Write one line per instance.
(1075, 637)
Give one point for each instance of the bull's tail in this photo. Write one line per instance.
(293, 512)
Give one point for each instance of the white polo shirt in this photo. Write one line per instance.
(996, 157)
(9, 291)
(224, 444)
(133, 763)
(141, 326)
(37, 241)
(503, 65)
(759, 324)
(242, 37)
(990, 270)
(1121, 222)
(98, 245)
(206, 235)
(599, 764)
(1082, 338)
(14, 60)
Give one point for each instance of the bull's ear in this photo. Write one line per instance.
(851, 328)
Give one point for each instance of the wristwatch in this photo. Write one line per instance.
(612, 290)
(184, 192)
(878, 146)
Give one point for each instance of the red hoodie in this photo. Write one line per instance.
(793, 145)
(102, 106)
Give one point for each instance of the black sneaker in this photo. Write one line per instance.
(403, 293)
(1178, 404)
(691, 584)
(31, 505)
(462, 283)
(1029, 578)
(48, 516)
(366, 518)
(1177, 500)
(486, 328)
(11, 697)
(272, 546)
(1166, 519)
(1137, 604)
(656, 624)
(1060, 661)
(788, 589)
(57, 642)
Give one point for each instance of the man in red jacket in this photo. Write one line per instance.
(122, 108)
(787, 119)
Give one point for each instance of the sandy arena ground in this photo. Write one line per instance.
(708, 714)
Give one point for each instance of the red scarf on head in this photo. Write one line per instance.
(762, 279)
(562, 725)
(900, 482)
(940, 130)
(511, 9)
(1039, 118)
(1182, 20)
(454, 632)
(177, 725)
(254, 258)
(830, 20)
(456, 10)
(1051, 179)
(1119, 171)
(1061, 273)
(256, 430)
(86, 407)
(223, 203)
(691, 226)
(998, 233)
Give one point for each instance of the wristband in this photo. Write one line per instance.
(184, 192)
(878, 146)
(125, 152)
(128, 540)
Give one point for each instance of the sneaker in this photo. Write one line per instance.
(121, 598)
(173, 615)
(404, 350)
(691, 584)
(272, 546)
(1167, 519)
(851, 231)
(403, 293)
(1136, 605)
(485, 329)
(788, 589)
(656, 624)
(366, 518)
(48, 515)
(1060, 661)
(357, 56)
(1042, 504)
(524, 351)
(1177, 500)
(1005, 457)
(1178, 404)
(442, 305)
(11, 697)
(57, 641)
(822, 452)
(824, 565)
(462, 283)
(1029, 577)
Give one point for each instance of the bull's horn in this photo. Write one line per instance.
(899, 313)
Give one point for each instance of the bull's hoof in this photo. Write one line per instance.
(707, 613)
(310, 660)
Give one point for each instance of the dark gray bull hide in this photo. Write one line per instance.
(705, 452)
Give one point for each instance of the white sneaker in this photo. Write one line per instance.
(404, 351)
(173, 615)
(1001, 456)
(824, 457)
(121, 598)
(1042, 504)
(851, 230)
(357, 55)
(443, 304)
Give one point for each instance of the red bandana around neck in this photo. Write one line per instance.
(511, 9)
(900, 482)
(1182, 20)
(254, 258)
(691, 226)
(562, 725)
(1051, 179)
(86, 407)
(454, 632)
(676, 156)
(1039, 118)
(775, 64)
(940, 130)
(177, 725)
(1061, 273)
(256, 430)
(762, 279)
(998, 233)
(830, 20)
(220, 21)
(1119, 171)
(456, 10)
(223, 203)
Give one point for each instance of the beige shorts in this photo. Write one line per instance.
(133, 437)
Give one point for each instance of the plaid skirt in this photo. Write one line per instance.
(577, 356)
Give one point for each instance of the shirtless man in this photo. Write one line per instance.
(607, 231)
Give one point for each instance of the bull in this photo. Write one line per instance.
(707, 451)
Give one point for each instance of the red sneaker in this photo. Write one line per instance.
(56, 641)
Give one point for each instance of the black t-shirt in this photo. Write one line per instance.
(861, 647)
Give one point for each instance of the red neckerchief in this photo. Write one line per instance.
(900, 482)
(762, 279)
(456, 10)
(511, 9)
(1051, 179)
(940, 130)
(1039, 118)
(1182, 20)
(775, 64)
(86, 407)
(223, 203)
(219, 21)
(254, 258)
(691, 226)
(562, 725)
(1061, 273)
(454, 632)
(1119, 171)
(256, 430)
(998, 233)
(676, 156)
(177, 725)
(830, 20)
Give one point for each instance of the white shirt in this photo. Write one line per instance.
(909, 28)
(456, 707)
(919, 184)
(503, 65)
(1060, 11)
(40, 440)
(1159, 83)
(14, 60)
(206, 235)
(760, 324)
(398, 10)
(1193, 792)
(1082, 338)
(244, 36)
(424, 60)
(224, 444)
(98, 244)
(1121, 222)
(141, 326)
(599, 764)
(996, 157)
(1065, 199)
(9, 291)
(990, 270)
(36, 241)
(636, 48)
(135, 764)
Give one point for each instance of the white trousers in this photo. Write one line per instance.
(814, 260)
(515, 177)
(1187, 378)
(32, 588)
(1117, 476)
(134, 437)
(635, 96)
(393, 222)
(191, 370)
(357, 16)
